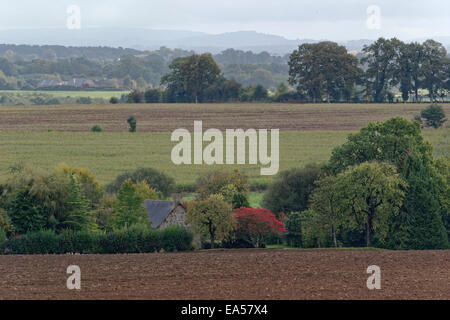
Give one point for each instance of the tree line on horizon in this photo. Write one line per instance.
(26, 67)
(317, 72)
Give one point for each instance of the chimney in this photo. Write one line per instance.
(177, 200)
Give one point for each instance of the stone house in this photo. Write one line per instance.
(166, 213)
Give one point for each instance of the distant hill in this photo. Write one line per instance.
(151, 39)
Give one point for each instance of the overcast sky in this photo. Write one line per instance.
(293, 19)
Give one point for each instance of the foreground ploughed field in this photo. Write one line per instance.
(231, 274)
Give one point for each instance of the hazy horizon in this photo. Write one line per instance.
(343, 21)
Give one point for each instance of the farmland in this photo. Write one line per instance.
(63, 94)
(45, 136)
(230, 274)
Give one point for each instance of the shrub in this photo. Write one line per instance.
(96, 128)
(2, 241)
(113, 100)
(154, 178)
(132, 123)
(150, 241)
(434, 116)
(135, 239)
(84, 100)
(176, 238)
(152, 96)
(16, 245)
(5, 223)
(78, 242)
(136, 96)
(39, 242)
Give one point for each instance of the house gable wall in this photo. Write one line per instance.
(176, 218)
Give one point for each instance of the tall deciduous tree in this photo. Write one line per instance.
(434, 67)
(290, 191)
(128, 209)
(231, 186)
(381, 58)
(399, 142)
(370, 193)
(195, 73)
(325, 203)
(323, 68)
(211, 217)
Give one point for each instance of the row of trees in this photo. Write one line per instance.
(69, 198)
(326, 71)
(198, 78)
(322, 71)
(382, 187)
(24, 67)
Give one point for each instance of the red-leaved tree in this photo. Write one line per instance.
(254, 225)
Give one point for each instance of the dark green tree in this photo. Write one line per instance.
(294, 230)
(191, 76)
(381, 58)
(132, 123)
(399, 142)
(152, 96)
(322, 69)
(290, 190)
(160, 181)
(433, 67)
(434, 116)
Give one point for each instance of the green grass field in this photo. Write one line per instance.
(108, 154)
(73, 94)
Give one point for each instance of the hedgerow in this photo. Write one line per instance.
(136, 239)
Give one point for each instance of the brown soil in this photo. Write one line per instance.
(166, 118)
(231, 274)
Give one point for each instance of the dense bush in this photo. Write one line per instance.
(79, 242)
(84, 100)
(434, 116)
(154, 178)
(39, 242)
(2, 241)
(176, 238)
(37, 200)
(96, 128)
(113, 100)
(152, 96)
(132, 122)
(136, 239)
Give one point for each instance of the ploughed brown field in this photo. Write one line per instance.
(230, 274)
(168, 117)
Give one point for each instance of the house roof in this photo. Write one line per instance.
(158, 211)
